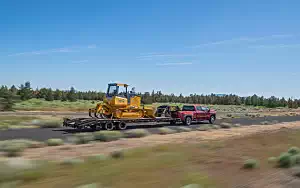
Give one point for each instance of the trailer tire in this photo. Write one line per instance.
(212, 119)
(109, 126)
(122, 125)
(188, 121)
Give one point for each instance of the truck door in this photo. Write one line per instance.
(200, 113)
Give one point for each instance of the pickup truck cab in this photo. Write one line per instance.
(196, 113)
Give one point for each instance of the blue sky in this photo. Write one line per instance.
(192, 46)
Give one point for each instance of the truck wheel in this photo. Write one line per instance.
(188, 121)
(212, 119)
(109, 126)
(122, 126)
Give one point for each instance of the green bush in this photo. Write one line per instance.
(14, 150)
(272, 160)
(15, 147)
(250, 164)
(204, 128)
(55, 142)
(117, 154)
(225, 125)
(285, 160)
(184, 129)
(165, 130)
(107, 136)
(83, 138)
(294, 150)
(136, 133)
(296, 159)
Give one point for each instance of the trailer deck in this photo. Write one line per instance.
(110, 124)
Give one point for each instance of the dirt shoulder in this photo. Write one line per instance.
(61, 152)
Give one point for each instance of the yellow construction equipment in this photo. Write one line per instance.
(119, 103)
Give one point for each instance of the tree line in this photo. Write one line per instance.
(13, 94)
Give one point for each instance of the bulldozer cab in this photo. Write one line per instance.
(115, 89)
(119, 90)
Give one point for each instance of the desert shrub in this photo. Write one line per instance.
(237, 125)
(225, 125)
(184, 129)
(296, 159)
(117, 154)
(192, 186)
(71, 161)
(83, 138)
(106, 136)
(21, 142)
(50, 124)
(97, 157)
(272, 160)
(204, 128)
(294, 150)
(93, 185)
(165, 130)
(250, 164)
(229, 115)
(54, 142)
(14, 150)
(216, 127)
(136, 133)
(285, 160)
(265, 123)
(257, 115)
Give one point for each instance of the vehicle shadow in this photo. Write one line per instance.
(129, 127)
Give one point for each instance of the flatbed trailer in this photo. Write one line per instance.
(111, 124)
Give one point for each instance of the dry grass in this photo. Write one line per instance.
(219, 162)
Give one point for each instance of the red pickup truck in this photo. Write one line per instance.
(196, 113)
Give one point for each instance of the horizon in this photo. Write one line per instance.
(243, 48)
(150, 91)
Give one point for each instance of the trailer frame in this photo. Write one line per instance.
(111, 124)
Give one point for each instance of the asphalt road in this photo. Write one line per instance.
(46, 133)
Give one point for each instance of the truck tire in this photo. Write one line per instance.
(212, 119)
(188, 121)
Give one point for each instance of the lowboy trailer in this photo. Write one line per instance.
(111, 124)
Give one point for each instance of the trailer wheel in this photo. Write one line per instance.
(122, 125)
(188, 121)
(109, 126)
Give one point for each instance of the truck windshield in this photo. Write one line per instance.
(188, 108)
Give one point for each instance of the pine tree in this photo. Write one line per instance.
(72, 95)
(49, 95)
(25, 92)
(57, 94)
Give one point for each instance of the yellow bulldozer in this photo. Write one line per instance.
(119, 103)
